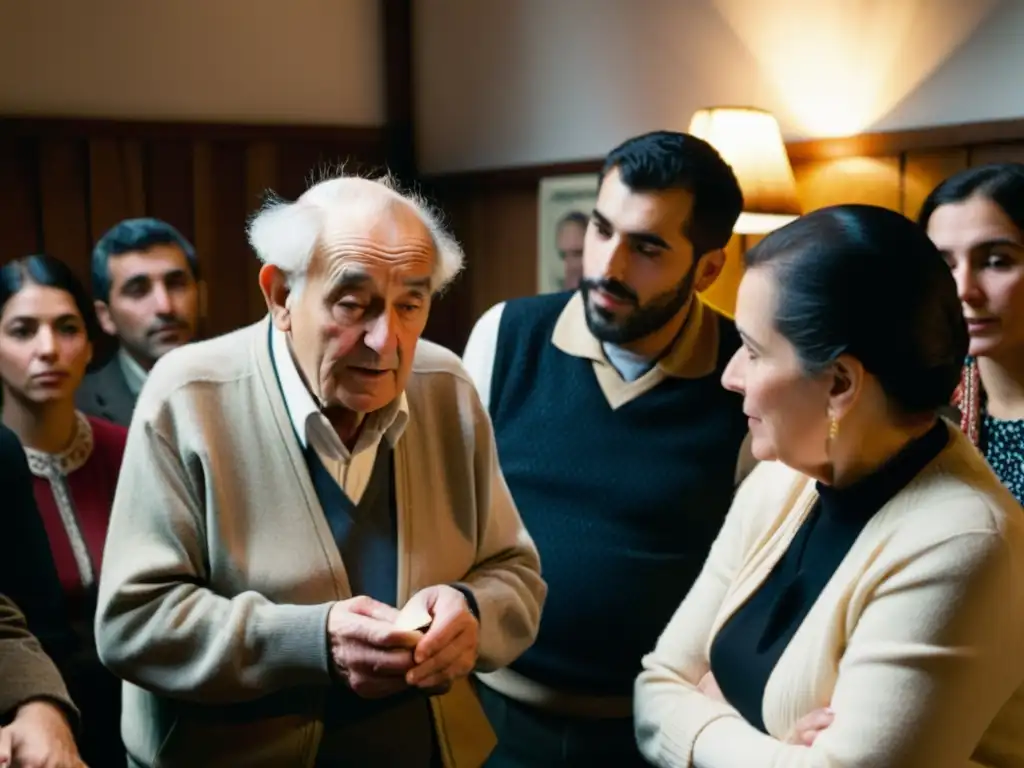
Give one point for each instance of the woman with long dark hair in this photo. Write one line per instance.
(976, 219)
(47, 331)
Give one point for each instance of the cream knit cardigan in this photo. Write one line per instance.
(916, 642)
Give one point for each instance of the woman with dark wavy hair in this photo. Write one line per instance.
(47, 331)
(863, 605)
(976, 219)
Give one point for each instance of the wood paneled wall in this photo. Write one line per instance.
(495, 213)
(63, 183)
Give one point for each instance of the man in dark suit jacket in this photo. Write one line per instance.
(145, 282)
(105, 393)
(37, 714)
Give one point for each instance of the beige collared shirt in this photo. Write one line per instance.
(693, 355)
(134, 374)
(350, 469)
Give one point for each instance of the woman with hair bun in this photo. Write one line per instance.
(863, 605)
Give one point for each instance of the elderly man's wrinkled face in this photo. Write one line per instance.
(355, 322)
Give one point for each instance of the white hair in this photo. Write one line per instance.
(285, 234)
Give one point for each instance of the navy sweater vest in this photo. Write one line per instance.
(622, 504)
(366, 533)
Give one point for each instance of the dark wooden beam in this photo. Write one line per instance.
(399, 106)
(916, 140)
(864, 145)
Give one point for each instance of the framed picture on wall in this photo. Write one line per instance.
(565, 206)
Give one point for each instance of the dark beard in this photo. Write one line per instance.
(643, 320)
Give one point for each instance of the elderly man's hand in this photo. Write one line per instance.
(39, 737)
(448, 649)
(369, 652)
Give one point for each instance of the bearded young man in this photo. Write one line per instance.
(618, 442)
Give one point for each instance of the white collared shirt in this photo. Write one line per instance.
(350, 469)
(134, 374)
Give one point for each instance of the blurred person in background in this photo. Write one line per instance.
(569, 235)
(145, 285)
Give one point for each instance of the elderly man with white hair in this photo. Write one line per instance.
(288, 487)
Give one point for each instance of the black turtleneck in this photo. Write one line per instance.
(749, 644)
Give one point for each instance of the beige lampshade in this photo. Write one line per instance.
(750, 141)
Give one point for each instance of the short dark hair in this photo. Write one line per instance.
(1002, 183)
(668, 160)
(135, 235)
(573, 217)
(48, 271)
(868, 282)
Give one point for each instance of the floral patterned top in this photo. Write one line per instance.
(1000, 441)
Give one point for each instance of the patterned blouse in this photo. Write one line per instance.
(1000, 440)
(74, 491)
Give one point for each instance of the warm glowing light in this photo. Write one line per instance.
(750, 141)
(840, 66)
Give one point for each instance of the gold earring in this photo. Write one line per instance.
(833, 428)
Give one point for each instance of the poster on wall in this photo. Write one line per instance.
(565, 206)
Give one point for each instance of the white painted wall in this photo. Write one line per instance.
(514, 82)
(277, 61)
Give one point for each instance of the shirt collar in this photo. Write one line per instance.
(134, 374)
(389, 421)
(72, 458)
(693, 355)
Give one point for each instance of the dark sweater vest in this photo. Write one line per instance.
(366, 535)
(622, 504)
